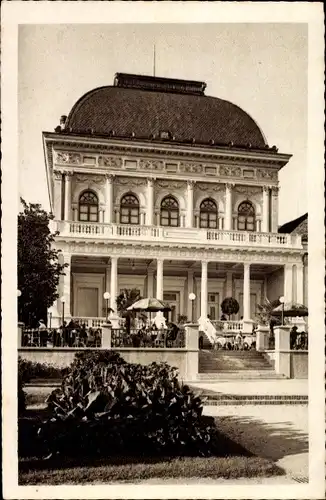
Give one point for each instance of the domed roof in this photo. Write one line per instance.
(146, 107)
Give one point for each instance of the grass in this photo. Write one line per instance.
(104, 471)
(239, 463)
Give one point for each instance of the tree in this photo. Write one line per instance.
(125, 299)
(230, 306)
(264, 314)
(39, 269)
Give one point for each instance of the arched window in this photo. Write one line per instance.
(246, 216)
(129, 209)
(88, 207)
(208, 214)
(169, 212)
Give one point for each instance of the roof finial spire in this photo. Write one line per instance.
(154, 58)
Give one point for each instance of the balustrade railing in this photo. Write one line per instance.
(58, 337)
(150, 339)
(228, 326)
(160, 233)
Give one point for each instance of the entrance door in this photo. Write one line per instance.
(213, 306)
(87, 302)
(172, 298)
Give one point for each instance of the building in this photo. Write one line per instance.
(156, 186)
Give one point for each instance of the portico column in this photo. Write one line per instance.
(150, 202)
(265, 221)
(159, 279)
(246, 291)
(67, 210)
(190, 290)
(108, 198)
(57, 190)
(203, 290)
(299, 297)
(288, 282)
(114, 283)
(190, 203)
(150, 282)
(274, 203)
(228, 207)
(66, 283)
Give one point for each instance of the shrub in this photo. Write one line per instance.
(108, 406)
(230, 306)
(31, 369)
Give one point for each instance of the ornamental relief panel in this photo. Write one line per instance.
(147, 164)
(263, 173)
(230, 171)
(65, 157)
(188, 167)
(209, 186)
(110, 161)
(170, 184)
(129, 181)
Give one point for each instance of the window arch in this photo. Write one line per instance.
(88, 207)
(169, 211)
(246, 217)
(208, 214)
(129, 209)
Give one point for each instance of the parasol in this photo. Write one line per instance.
(290, 309)
(149, 305)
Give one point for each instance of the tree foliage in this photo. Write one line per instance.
(264, 314)
(39, 269)
(125, 299)
(230, 306)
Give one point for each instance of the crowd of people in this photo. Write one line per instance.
(73, 334)
(148, 335)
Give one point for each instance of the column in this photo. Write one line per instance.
(150, 282)
(274, 203)
(228, 207)
(190, 204)
(67, 210)
(229, 284)
(246, 292)
(159, 279)
(108, 198)
(57, 193)
(191, 304)
(114, 283)
(150, 202)
(203, 290)
(265, 221)
(299, 287)
(107, 279)
(288, 282)
(66, 284)
(75, 212)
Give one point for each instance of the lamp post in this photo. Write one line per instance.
(192, 297)
(281, 299)
(63, 300)
(107, 297)
(18, 295)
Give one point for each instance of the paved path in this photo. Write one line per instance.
(279, 433)
(259, 387)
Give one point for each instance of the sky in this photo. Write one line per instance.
(260, 67)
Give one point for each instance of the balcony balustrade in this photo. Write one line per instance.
(170, 235)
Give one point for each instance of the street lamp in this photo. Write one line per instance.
(63, 300)
(192, 297)
(282, 300)
(107, 297)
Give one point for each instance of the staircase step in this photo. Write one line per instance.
(239, 374)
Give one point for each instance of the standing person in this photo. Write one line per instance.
(43, 333)
(293, 337)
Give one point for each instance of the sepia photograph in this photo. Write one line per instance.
(166, 289)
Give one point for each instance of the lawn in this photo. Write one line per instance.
(239, 463)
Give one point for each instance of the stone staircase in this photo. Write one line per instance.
(226, 365)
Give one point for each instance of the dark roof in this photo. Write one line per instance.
(296, 226)
(143, 107)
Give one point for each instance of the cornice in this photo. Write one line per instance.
(273, 160)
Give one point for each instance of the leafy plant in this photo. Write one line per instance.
(230, 306)
(264, 314)
(38, 266)
(124, 300)
(107, 406)
(182, 319)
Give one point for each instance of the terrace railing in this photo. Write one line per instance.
(152, 339)
(54, 337)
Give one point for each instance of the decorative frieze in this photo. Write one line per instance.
(230, 171)
(129, 181)
(147, 164)
(263, 173)
(110, 161)
(247, 190)
(207, 186)
(65, 157)
(170, 184)
(95, 179)
(189, 167)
